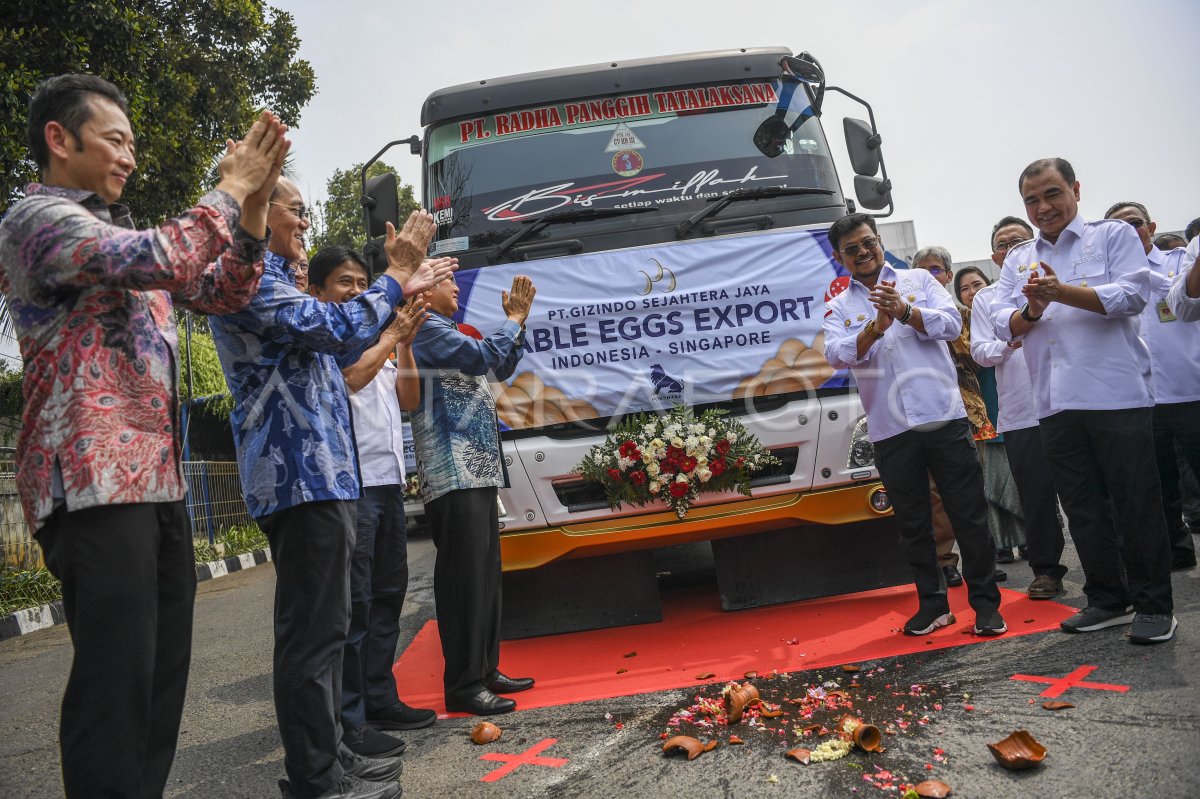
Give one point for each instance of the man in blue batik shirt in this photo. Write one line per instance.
(291, 425)
(461, 467)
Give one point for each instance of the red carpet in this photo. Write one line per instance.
(697, 637)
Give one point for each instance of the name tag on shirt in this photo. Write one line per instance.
(1164, 312)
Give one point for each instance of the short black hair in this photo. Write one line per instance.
(1169, 241)
(1192, 229)
(1005, 222)
(327, 259)
(1061, 165)
(849, 222)
(66, 99)
(961, 273)
(1127, 204)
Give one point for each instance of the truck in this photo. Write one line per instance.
(672, 212)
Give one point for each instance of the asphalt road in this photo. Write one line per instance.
(1145, 742)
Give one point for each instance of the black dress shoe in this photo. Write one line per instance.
(1000, 575)
(484, 703)
(501, 684)
(953, 576)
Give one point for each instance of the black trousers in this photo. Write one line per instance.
(1176, 422)
(1095, 457)
(1039, 501)
(378, 583)
(311, 545)
(129, 584)
(465, 526)
(947, 452)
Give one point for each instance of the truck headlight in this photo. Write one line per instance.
(862, 452)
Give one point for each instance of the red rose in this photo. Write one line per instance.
(637, 478)
(723, 446)
(717, 467)
(614, 474)
(679, 489)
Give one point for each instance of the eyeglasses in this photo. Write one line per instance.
(1136, 223)
(936, 270)
(867, 244)
(300, 266)
(1005, 246)
(300, 211)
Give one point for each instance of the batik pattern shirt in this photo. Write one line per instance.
(91, 301)
(291, 414)
(454, 429)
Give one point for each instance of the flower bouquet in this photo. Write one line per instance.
(675, 457)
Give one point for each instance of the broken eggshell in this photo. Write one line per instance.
(932, 789)
(485, 732)
(687, 743)
(1018, 751)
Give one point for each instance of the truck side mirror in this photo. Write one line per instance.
(873, 193)
(863, 145)
(381, 203)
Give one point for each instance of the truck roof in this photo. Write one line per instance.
(555, 85)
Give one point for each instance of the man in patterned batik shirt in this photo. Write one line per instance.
(98, 459)
(461, 466)
(291, 426)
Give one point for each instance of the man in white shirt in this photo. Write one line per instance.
(379, 563)
(1018, 422)
(888, 328)
(1175, 367)
(1184, 297)
(1074, 293)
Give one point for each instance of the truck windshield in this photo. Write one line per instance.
(672, 150)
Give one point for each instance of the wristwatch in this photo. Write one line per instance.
(1025, 314)
(869, 329)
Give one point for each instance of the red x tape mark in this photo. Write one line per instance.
(1060, 685)
(527, 758)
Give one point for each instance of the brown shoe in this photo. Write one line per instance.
(1044, 587)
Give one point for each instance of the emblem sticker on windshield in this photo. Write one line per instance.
(623, 138)
(627, 163)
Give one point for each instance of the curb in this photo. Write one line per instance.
(31, 620)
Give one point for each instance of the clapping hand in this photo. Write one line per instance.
(251, 166)
(408, 321)
(431, 272)
(1041, 291)
(518, 302)
(887, 303)
(406, 248)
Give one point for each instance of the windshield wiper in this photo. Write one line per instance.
(686, 226)
(581, 215)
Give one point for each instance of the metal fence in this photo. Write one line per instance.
(214, 502)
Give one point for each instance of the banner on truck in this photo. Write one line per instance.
(645, 328)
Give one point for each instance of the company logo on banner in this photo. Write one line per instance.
(645, 328)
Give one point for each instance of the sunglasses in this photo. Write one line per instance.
(300, 211)
(868, 244)
(1136, 223)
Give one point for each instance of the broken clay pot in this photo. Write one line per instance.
(485, 732)
(866, 737)
(737, 699)
(799, 754)
(687, 743)
(1018, 751)
(932, 789)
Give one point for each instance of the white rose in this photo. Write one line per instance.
(655, 486)
(703, 474)
(652, 468)
(677, 442)
(681, 478)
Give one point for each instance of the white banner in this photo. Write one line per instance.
(648, 327)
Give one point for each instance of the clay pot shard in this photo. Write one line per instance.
(769, 711)
(686, 743)
(737, 699)
(1056, 705)
(734, 740)
(932, 789)
(705, 675)
(485, 732)
(800, 755)
(850, 668)
(1018, 751)
(711, 745)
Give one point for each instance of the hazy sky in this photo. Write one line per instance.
(965, 93)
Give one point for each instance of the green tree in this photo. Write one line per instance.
(339, 220)
(207, 379)
(194, 73)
